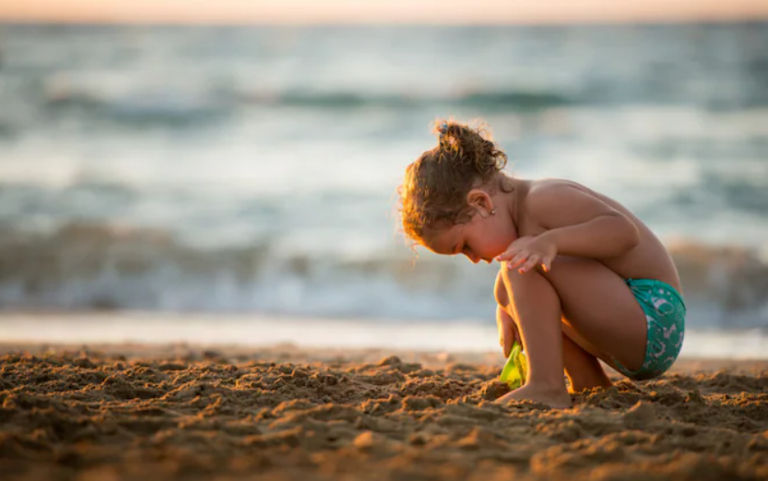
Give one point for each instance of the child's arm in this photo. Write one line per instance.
(577, 223)
(507, 328)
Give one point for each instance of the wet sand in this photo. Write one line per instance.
(140, 412)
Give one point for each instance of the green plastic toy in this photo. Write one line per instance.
(516, 368)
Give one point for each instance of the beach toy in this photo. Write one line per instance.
(516, 368)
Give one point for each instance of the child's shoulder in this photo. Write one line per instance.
(540, 192)
(556, 201)
(549, 186)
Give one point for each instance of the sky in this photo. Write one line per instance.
(379, 11)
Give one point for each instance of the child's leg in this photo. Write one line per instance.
(601, 312)
(536, 308)
(596, 304)
(582, 368)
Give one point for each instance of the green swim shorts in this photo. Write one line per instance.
(665, 314)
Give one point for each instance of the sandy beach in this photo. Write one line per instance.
(160, 412)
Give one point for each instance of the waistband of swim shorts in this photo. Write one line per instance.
(652, 283)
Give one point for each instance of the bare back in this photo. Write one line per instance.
(649, 259)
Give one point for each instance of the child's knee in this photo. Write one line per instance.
(510, 278)
(531, 284)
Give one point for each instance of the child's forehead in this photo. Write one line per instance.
(445, 240)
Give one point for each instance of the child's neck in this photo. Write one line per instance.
(512, 197)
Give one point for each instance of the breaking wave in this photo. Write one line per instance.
(93, 267)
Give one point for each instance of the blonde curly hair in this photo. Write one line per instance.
(434, 192)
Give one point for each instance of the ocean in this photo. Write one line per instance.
(253, 170)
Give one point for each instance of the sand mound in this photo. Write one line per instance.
(102, 417)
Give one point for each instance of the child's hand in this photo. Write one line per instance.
(528, 252)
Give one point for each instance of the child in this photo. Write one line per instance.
(581, 277)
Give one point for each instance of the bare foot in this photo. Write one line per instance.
(557, 398)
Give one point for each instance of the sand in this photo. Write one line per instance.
(145, 413)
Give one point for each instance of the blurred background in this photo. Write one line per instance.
(210, 163)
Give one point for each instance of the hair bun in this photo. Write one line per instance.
(468, 149)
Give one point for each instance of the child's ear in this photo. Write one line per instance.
(480, 200)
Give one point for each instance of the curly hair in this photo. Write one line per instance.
(436, 185)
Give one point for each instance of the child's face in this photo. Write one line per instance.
(481, 239)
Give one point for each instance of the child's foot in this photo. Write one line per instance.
(581, 383)
(557, 398)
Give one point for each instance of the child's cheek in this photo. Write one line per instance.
(499, 248)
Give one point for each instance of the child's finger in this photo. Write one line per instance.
(532, 262)
(517, 260)
(509, 339)
(546, 265)
(506, 255)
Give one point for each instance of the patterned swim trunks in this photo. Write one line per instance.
(665, 314)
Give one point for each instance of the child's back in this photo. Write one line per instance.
(648, 259)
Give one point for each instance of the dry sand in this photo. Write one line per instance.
(147, 413)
